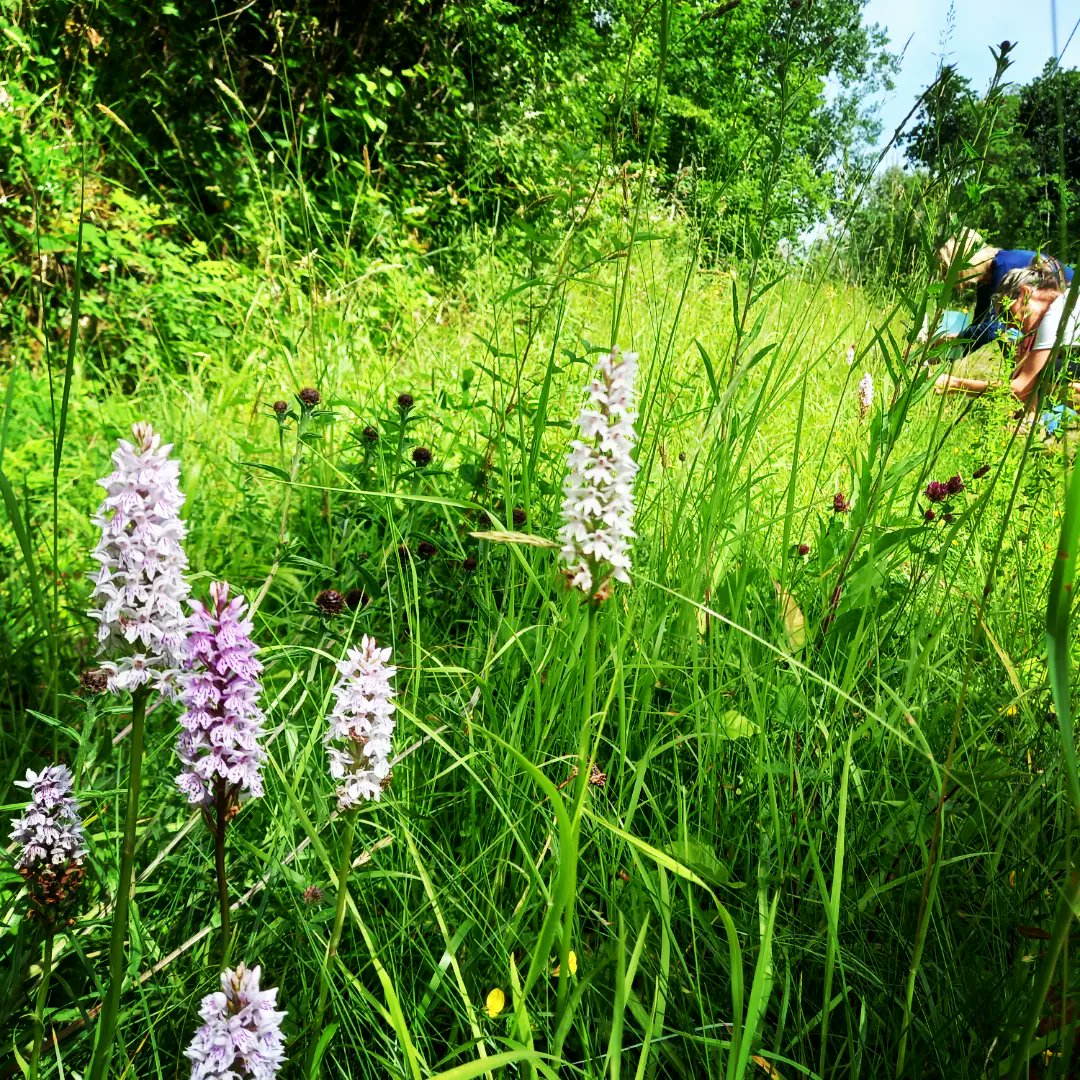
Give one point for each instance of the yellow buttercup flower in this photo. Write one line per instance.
(495, 1003)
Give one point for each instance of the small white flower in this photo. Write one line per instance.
(139, 588)
(866, 393)
(363, 720)
(598, 503)
(850, 355)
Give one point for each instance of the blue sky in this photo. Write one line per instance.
(960, 33)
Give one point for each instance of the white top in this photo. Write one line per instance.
(1047, 331)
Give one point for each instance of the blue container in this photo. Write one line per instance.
(953, 322)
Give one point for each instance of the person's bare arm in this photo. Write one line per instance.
(1025, 376)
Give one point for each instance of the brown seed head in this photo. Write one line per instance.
(309, 397)
(422, 456)
(94, 681)
(330, 602)
(356, 598)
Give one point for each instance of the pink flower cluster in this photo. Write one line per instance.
(363, 719)
(222, 722)
(598, 503)
(50, 833)
(139, 588)
(240, 1038)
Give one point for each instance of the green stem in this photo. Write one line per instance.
(221, 826)
(584, 768)
(106, 1030)
(339, 922)
(39, 1005)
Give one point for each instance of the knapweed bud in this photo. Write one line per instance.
(404, 554)
(330, 603)
(840, 503)
(405, 402)
(281, 407)
(469, 564)
(361, 724)
(519, 517)
(240, 1038)
(422, 456)
(49, 840)
(929, 515)
(371, 435)
(954, 485)
(309, 397)
(948, 518)
(313, 895)
(804, 549)
(356, 598)
(598, 502)
(426, 550)
(139, 588)
(221, 728)
(936, 491)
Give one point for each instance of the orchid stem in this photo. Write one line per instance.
(106, 1030)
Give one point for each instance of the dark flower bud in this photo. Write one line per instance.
(936, 491)
(356, 598)
(980, 472)
(804, 549)
(309, 397)
(519, 517)
(405, 402)
(929, 515)
(840, 504)
(370, 434)
(948, 518)
(403, 553)
(281, 407)
(426, 549)
(313, 895)
(954, 485)
(94, 681)
(422, 456)
(469, 564)
(330, 602)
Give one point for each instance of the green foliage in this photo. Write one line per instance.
(1015, 182)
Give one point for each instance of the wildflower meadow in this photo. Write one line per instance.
(536, 613)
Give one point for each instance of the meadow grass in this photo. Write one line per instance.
(832, 834)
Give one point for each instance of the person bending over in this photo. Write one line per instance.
(984, 268)
(1034, 298)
